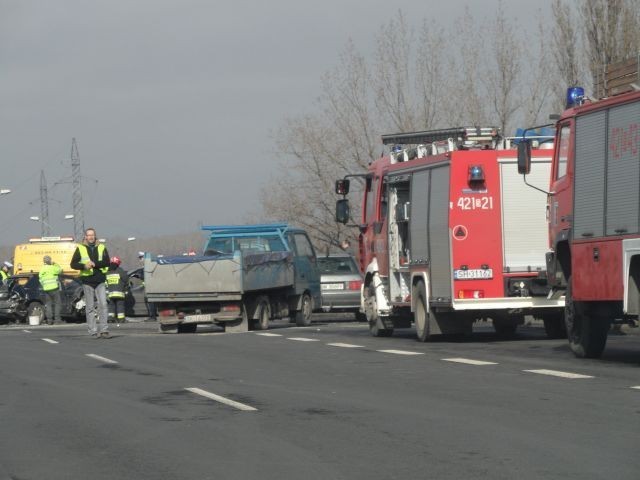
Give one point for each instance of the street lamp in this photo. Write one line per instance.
(130, 239)
(4, 191)
(35, 218)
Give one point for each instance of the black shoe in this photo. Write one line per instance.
(105, 335)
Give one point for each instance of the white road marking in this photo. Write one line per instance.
(48, 340)
(469, 361)
(26, 331)
(218, 398)
(345, 345)
(302, 339)
(557, 373)
(102, 359)
(637, 388)
(269, 334)
(400, 352)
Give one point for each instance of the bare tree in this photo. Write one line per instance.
(566, 52)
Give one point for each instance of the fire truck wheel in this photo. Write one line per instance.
(554, 325)
(376, 327)
(263, 315)
(167, 328)
(506, 326)
(423, 327)
(303, 316)
(586, 330)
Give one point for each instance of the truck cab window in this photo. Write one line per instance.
(303, 246)
(563, 151)
(370, 205)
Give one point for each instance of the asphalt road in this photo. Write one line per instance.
(324, 402)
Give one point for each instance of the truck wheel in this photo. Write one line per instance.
(167, 328)
(587, 332)
(187, 327)
(506, 326)
(360, 317)
(303, 316)
(376, 327)
(554, 325)
(36, 309)
(421, 315)
(264, 314)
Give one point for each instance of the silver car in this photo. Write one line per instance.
(340, 282)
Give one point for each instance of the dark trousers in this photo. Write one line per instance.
(52, 305)
(116, 309)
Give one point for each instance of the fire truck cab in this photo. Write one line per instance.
(450, 235)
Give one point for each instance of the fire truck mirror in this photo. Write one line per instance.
(342, 211)
(524, 157)
(342, 186)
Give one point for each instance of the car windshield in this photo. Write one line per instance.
(337, 265)
(268, 243)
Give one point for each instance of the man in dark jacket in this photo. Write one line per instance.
(92, 259)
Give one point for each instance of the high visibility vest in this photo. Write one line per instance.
(84, 258)
(115, 288)
(3, 276)
(48, 277)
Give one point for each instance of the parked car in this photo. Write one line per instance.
(136, 304)
(340, 283)
(22, 297)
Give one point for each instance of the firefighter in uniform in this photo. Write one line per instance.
(4, 272)
(49, 277)
(92, 259)
(116, 289)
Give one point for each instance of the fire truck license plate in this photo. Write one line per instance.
(333, 286)
(472, 274)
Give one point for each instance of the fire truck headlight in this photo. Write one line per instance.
(476, 174)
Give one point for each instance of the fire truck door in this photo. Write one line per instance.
(429, 226)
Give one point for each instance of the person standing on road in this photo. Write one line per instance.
(92, 259)
(49, 277)
(116, 289)
(4, 272)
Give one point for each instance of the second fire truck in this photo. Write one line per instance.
(448, 236)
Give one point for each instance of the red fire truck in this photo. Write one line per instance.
(448, 236)
(594, 215)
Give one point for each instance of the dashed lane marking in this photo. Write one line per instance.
(102, 359)
(557, 373)
(269, 334)
(400, 352)
(26, 331)
(218, 398)
(345, 345)
(637, 388)
(469, 361)
(48, 340)
(302, 339)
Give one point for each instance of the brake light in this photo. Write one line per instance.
(167, 313)
(470, 293)
(355, 285)
(232, 307)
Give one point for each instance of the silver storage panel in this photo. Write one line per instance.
(418, 244)
(525, 232)
(439, 237)
(623, 171)
(589, 173)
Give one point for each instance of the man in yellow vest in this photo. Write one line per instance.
(4, 272)
(92, 259)
(49, 277)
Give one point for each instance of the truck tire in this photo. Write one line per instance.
(506, 325)
(360, 317)
(303, 316)
(421, 315)
(264, 315)
(586, 331)
(554, 325)
(173, 328)
(376, 327)
(36, 309)
(187, 327)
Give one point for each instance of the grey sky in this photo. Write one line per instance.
(172, 102)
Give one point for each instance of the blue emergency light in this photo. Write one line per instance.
(476, 174)
(575, 96)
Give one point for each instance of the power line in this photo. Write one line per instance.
(44, 207)
(78, 212)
